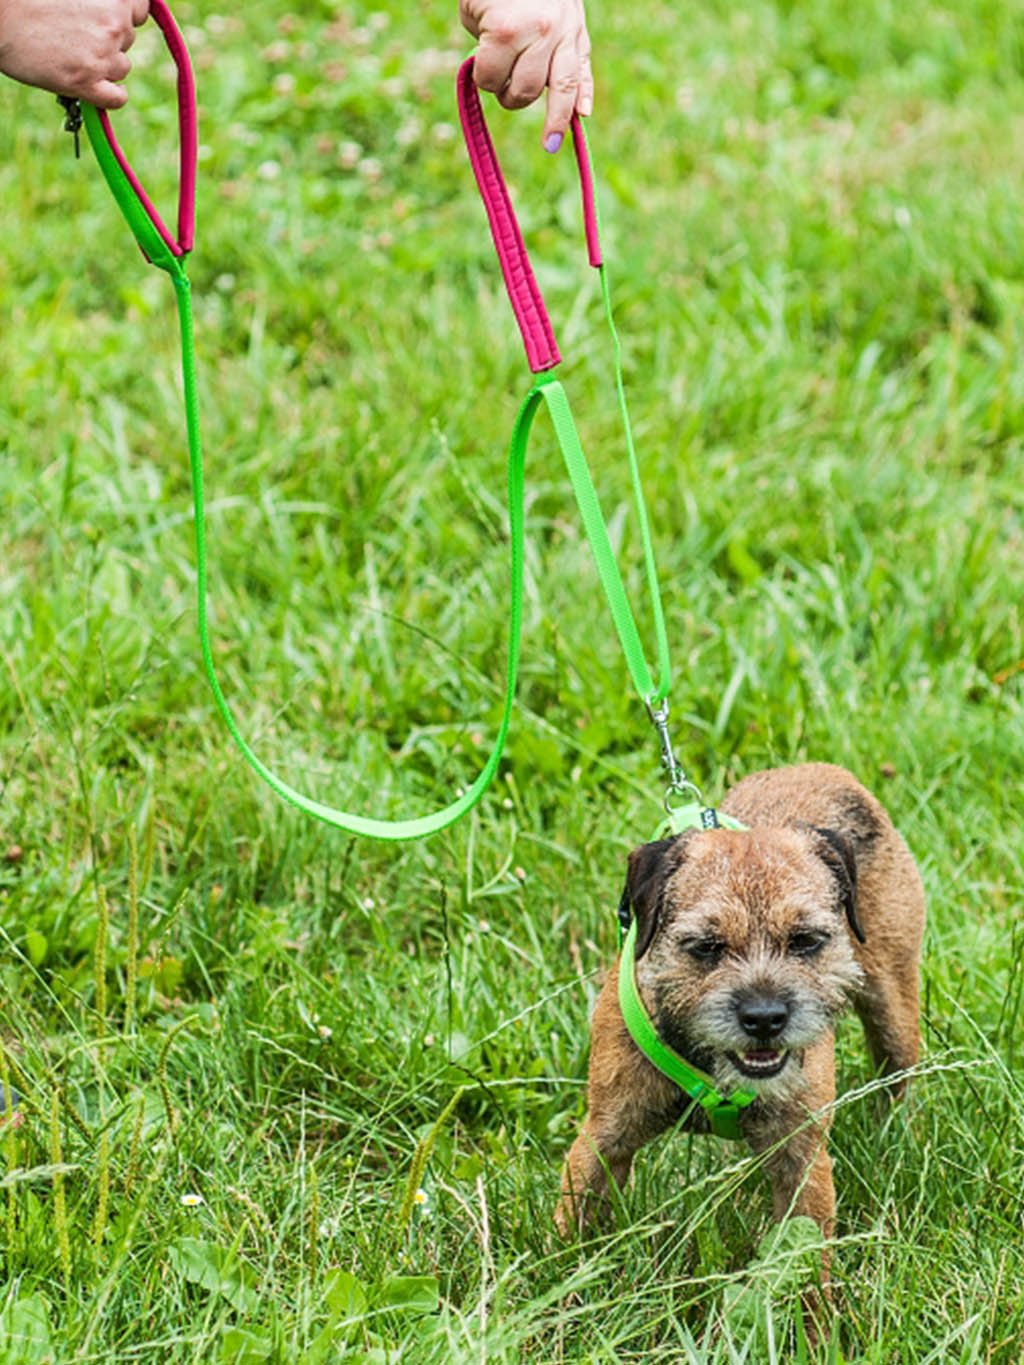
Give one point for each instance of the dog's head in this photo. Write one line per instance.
(744, 947)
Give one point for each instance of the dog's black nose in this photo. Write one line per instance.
(763, 1017)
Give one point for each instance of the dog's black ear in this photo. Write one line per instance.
(650, 867)
(836, 852)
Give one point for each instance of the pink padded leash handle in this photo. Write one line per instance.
(188, 123)
(523, 291)
(579, 146)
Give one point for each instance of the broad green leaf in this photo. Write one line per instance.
(25, 1332)
(36, 946)
(344, 1295)
(216, 1269)
(239, 1346)
(787, 1261)
(420, 1293)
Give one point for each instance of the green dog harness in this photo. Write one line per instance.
(723, 1111)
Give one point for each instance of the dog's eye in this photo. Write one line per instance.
(706, 950)
(806, 945)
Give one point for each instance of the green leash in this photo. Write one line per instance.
(168, 252)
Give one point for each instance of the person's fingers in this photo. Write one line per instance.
(493, 63)
(563, 88)
(517, 65)
(527, 78)
(118, 67)
(105, 95)
(585, 94)
(468, 18)
(127, 39)
(140, 12)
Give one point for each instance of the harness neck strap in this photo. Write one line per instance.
(723, 1111)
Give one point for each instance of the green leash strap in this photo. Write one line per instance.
(723, 1111)
(352, 823)
(169, 255)
(596, 529)
(543, 355)
(656, 695)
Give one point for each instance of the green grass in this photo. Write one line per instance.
(813, 217)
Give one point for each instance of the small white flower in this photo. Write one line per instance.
(192, 1201)
(349, 154)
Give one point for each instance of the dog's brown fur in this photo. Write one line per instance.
(819, 857)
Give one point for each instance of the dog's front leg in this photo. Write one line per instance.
(794, 1138)
(630, 1102)
(597, 1159)
(800, 1167)
(801, 1175)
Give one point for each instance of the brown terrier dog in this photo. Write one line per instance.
(749, 944)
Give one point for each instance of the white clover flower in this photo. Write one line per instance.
(349, 154)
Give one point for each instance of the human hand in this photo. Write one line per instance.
(71, 47)
(527, 45)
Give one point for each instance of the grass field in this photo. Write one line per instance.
(289, 1096)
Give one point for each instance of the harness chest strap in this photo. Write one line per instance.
(723, 1111)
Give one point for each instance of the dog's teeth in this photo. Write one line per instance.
(762, 1058)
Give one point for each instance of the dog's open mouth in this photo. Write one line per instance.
(760, 1062)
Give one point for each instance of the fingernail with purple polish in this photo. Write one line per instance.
(552, 142)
